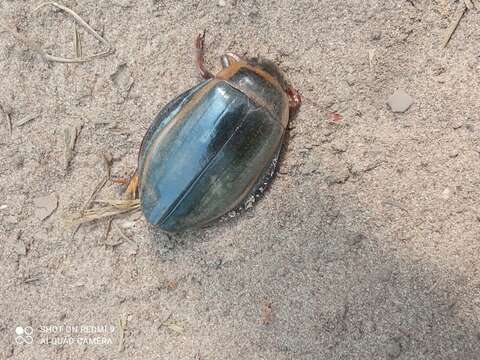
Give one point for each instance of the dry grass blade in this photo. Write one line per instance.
(99, 187)
(77, 45)
(26, 119)
(31, 279)
(173, 325)
(47, 57)
(87, 27)
(75, 61)
(77, 18)
(107, 230)
(110, 209)
(118, 203)
(107, 159)
(454, 25)
(9, 121)
(122, 324)
(71, 135)
(122, 235)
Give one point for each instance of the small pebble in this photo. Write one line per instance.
(453, 154)
(127, 224)
(222, 3)
(394, 349)
(356, 240)
(339, 147)
(445, 194)
(400, 101)
(376, 35)
(10, 219)
(45, 206)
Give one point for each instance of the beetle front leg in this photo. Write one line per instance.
(199, 56)
(132, 185)
(295, 100)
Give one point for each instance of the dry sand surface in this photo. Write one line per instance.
(366, 246)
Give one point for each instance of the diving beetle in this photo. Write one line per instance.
(213, 146)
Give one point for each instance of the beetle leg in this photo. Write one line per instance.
(120, 180)
(295, 100)
(199, 56)
(132, 189)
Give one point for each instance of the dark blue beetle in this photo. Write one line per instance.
(212, 146)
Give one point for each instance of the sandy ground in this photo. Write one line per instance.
(365, 247)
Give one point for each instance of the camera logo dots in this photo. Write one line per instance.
(24, 335)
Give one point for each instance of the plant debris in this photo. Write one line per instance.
(123, 236)
(110, 208)
(173, 325)
(122, 324)
(454, 25)
(399, 101)
(77, 45)
(26, 120)
(78, 53)
(71, 135)
(88, 28)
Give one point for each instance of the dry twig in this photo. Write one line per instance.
(454, 25)
(77, 45)
(47, 57)
(122, 324)
(109, 209)
(70, 136)
(122, 235)
(173, 325)
(108, 164)
(26, 119)
(77, 18)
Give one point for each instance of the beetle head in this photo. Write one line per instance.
(271, 68)
(258, 62)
